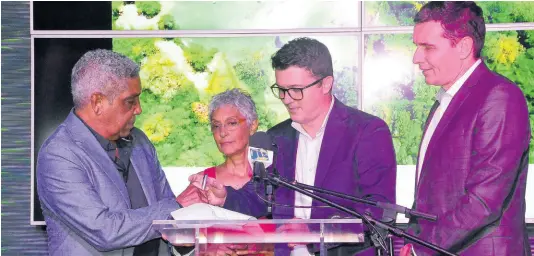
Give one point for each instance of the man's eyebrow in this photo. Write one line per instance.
(132, 96)
(424, 44)
(290, 86)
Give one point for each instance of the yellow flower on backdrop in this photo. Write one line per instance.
(201, 111)
(157, 128)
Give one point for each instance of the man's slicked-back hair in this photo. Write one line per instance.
(458, 18)
(306, 53)
(101, 71)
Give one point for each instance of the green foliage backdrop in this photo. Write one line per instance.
(180, 75)
(401, 13)
(214, 15)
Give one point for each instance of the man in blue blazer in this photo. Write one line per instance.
(98, 177)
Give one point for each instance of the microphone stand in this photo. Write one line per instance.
(269, 187)
(367, 219)
(390, 211)
(259, 171)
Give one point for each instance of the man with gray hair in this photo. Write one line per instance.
(99, 181)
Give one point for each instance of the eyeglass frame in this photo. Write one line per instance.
(224, 125)
(294, 88)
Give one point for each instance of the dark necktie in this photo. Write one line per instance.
(122, 157)
(431, 114)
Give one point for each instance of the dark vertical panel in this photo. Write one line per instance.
(71, 15)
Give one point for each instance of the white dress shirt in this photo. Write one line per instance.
(308, 150)
(444, 97)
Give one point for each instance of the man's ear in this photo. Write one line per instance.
(465, 47)
(327, 84)
(97, 101)
(253, 127)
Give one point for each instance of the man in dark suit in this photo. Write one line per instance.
(473, 158)
(326, 143)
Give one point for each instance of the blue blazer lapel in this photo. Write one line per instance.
(425, 127)
(286, 162)
(140, 164)
(87, 141)
(334, 130)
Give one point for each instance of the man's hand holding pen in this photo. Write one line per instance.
(192, 195)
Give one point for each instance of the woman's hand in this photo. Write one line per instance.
(215, 191)
(407, 250)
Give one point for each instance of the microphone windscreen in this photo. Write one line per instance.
(261, 140)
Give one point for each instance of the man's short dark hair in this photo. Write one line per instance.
(306, 53)
(458, 19)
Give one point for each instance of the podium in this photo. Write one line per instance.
(261, 235)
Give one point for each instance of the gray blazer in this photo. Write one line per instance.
(84, 198)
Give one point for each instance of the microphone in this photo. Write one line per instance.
(260, 156)
(260, 153)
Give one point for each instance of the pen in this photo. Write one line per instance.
(204, 181)
(413, 252)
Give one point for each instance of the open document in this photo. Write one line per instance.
(203, 211)
(219, 233)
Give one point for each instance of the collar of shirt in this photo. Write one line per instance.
(445, 96)
(301, 130)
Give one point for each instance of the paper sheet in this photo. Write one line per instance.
(202, 211)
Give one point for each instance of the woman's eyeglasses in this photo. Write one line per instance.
(230, 124)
